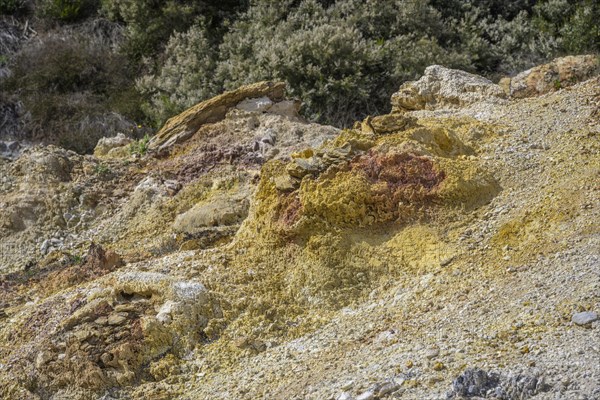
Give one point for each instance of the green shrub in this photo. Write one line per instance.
(150, 23)
(66, 10)
(185, 78)
(12, 6)
(581, 34)
(343, 61)
(140, 147)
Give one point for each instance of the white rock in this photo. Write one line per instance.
(442, 87)
(42, 359)
(287, 108)
(260, 104)
(584, 318)
(368, 395)
(106, 144)
(165, 314)
(345, 396)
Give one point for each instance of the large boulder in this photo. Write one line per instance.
(220, 211)
(442, 87)
(184, 125)
(559, 73)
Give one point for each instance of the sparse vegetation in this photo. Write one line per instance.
(102, 169)
(140, 147)
(65, 11)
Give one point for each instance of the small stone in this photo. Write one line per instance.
(82, 335)
(388, 388)
(42, 358)
(117, 319)
(368, 395)
(301, 167)
(409, 364)
(286, 183)
(344, 396)
(259, 104)
(438, 366)
(165, 314)
(125, 308)
(287, 108)
(584, 318)
(432, 353)
(446, 261)
(106, 358)
(242, 342)
(172, 187)
(106, 144)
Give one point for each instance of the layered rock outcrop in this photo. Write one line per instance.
(183, 126)
(442, 87)
(559, 73)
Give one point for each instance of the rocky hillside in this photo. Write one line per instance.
(449, 249)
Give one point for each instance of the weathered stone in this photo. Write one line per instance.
(165, 314)
(99, 259)
(432, 353)
(83, 334)
(391, 123)
(184, 125)
(300, 167)
(559, 73)
(388, 388)
(10, 149)
(172, 186)
(288, 108)
(255, 345)
(442, 87)
(220, 211)
(49, 245)
(584, 318)
(337, 154)
(368, 395)
(106, 144)
(286, 183)
(345, 396)
(43, 358)
(474, 382)
(117, 319)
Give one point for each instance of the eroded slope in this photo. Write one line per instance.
(261, 256)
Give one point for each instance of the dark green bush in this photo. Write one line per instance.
(12, 6)
(66, 10)
(343, 61)
(185, 78)
(150, 23)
